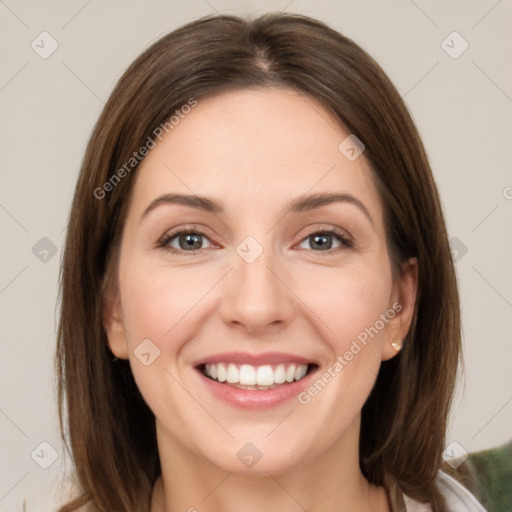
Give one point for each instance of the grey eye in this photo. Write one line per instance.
(320, 241)
(187, 241)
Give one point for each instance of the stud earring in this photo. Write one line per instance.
(396, 346)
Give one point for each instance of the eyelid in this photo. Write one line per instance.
(324, 228)
(345, 238)
(164, 240)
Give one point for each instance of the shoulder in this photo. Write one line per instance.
(458, 498)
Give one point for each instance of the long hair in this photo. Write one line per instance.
(111, 430)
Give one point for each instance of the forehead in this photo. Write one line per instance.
(256, 149)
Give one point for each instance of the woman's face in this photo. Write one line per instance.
(275, 277)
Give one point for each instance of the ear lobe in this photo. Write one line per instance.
(404, 304)
(113, 324)
(391, 349)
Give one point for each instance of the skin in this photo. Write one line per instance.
(254, 151)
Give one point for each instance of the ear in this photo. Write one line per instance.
(403, 302)
(113, 323)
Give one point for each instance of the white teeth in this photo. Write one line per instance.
(265, 376)
(290, 373)
(249, 375)
(232, 375)
(221, 372)
(300, 372)
(280, 374)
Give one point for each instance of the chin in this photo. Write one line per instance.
(253, 455)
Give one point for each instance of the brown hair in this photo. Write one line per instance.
(111, 429)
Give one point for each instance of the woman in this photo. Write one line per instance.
(259, 305)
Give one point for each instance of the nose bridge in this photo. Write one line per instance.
(255, 296)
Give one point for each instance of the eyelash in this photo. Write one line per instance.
(166, 239)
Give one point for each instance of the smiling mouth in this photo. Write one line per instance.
(256, 377)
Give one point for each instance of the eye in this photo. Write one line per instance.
(193, 240)
(322, 241)
(184, 241)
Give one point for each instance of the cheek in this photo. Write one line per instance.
(158, 301)
(349, 302)
(161, 305)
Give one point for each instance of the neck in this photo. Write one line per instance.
(330, 483)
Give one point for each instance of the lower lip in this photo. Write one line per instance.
(254, 399)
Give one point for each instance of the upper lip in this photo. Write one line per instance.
(253, 359)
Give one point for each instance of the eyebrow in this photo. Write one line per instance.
(312, 201)
(301, 204)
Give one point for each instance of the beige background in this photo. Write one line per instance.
(463, 107)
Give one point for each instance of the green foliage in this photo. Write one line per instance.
(493, 469)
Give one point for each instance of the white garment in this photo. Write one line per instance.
(458, 498)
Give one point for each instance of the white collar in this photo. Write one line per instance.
(458, 498)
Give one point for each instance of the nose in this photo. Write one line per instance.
(256, 296)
